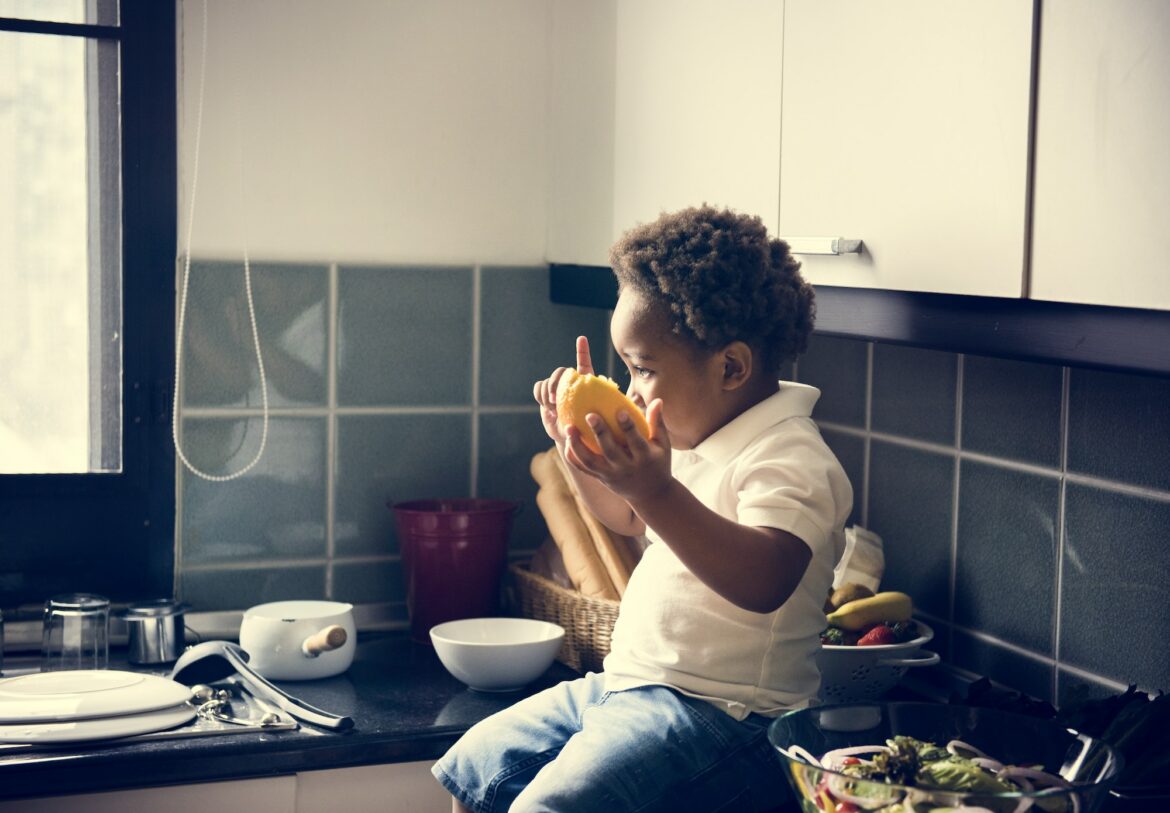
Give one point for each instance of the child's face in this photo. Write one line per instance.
(688, 379)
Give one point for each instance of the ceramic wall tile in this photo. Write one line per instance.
(403, 336)
(1072, 689)
(241, 588)
(1114, 583)
(524, 336)
(219, 365)
(275, 511)
(910, 504)
(507, 443)
(914, 393)
(1119, 427)
(1005, 576)
(391, 458)
(839, 368)
(850, 451)
(1032, 676)
(1011, 409)
(369, 582)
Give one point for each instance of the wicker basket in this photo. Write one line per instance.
(588, 621)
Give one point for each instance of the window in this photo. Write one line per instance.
(60, 230)
(87, 259)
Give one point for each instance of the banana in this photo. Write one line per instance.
(860, 613)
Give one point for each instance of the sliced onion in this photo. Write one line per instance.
(836, 787)
(954, 745)
(1041, 777)
(988, 764)
(796, 750)
(831, 759)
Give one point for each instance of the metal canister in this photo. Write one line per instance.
(155, 631)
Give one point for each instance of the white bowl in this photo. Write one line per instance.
(497, 654)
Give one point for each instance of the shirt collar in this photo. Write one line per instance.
(792, 401)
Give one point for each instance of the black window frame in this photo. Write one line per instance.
(113, 533)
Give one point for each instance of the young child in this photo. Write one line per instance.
(744, 506)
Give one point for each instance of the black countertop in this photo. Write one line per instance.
(405, 706)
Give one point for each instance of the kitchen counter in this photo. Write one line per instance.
(405, 706)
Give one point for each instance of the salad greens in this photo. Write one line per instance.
(927, 768)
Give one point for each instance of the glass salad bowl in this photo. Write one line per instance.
(920, 757)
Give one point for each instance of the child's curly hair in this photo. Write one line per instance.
(722, 279)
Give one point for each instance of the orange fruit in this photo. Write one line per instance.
(578, 394)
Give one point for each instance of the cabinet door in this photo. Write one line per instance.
(406, 787)
(269, 795)
(1102, 188)
(905, 125)
(697, 110)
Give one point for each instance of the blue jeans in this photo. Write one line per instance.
(576, 747)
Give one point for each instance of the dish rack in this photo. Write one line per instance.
(587, 621)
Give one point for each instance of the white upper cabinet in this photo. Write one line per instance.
(905, 125)
(1102, 185)
(697, 108)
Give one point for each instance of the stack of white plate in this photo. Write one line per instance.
(85, 705)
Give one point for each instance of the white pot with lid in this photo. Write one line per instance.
(299, 640)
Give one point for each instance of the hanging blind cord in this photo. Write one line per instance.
(186, 278)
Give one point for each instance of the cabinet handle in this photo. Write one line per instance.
(822, 245)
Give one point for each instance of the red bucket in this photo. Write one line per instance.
(453, 557)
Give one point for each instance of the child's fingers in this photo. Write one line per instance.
(577, 453)
(658, 433)
(584, 360)
(633, 438)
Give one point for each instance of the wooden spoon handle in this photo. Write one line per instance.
(326, 640)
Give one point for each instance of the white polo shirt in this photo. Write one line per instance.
(768, 467)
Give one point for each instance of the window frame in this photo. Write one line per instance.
(113, 533)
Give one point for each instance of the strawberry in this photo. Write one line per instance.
(880, 634)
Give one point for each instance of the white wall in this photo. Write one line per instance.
(389, 131)
(581, 120)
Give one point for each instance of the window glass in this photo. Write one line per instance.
(60, 215)
(91, 12)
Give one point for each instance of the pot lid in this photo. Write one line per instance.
(84, 694)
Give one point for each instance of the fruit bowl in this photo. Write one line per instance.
(815, 742)
(852, 673)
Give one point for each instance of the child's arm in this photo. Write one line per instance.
(754, 568)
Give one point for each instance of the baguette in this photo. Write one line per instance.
(609, 546)
(568, 530)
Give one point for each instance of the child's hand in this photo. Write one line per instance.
(545, 391)
(639, 469)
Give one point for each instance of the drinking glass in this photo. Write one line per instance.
(76, 632)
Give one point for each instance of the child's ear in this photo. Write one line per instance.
(737, 365)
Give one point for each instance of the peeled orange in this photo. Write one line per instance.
(578, 394)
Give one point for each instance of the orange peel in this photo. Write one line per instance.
(579, 394)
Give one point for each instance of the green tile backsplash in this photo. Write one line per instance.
(524, 336)
(1023, 505)
(913, 393)
(219, 358)
(1032, 570)
(1011, 409)
(1006, 536)
(404, 336)
(417, 384)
